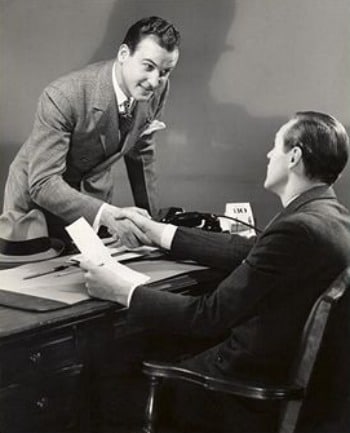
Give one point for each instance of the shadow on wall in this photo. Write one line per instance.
(212, 151)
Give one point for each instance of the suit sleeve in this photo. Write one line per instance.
(217, 250)
(273, 261)
(140, 163)
(47, 153)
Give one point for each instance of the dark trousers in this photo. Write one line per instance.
(188, 408)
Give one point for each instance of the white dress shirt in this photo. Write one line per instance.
(121, 98)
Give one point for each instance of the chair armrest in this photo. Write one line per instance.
(239, 388)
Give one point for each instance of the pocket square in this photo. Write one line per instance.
(155, 125)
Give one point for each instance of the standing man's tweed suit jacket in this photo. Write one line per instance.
(64, 166)
(259, 310)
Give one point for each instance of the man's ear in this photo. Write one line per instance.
(123, 53)
(296, 155)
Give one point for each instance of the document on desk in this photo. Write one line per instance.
(59, 280)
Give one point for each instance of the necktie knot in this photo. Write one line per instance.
(126, 107)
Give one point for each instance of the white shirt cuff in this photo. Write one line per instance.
(132, 290)
(167, 236)
(97, 220)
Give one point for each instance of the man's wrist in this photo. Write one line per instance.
(167, 236)
(131, 292)
(97, 221)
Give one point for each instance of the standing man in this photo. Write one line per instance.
(85, 122)
(258, 312)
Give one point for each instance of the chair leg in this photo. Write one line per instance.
(151, 410)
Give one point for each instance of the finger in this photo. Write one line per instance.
(138, 219)
(142, 212)
(136, 236)
(130, 241)
(85, 263)
(141, 236)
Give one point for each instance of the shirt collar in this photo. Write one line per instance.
(119, 94)
(295, 196)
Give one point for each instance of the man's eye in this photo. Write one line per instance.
(148, 67)
(165, 73)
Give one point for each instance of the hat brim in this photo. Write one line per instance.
(56, 248)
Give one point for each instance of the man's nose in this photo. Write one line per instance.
(154, 79)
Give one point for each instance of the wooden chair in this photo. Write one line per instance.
(292, 394)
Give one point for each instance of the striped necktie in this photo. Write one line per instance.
(125, 119)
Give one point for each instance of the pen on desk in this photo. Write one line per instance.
(52, 271)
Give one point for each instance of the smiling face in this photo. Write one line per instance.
(277, 174)
(140, 73)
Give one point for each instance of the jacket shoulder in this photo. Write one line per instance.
(77, 79)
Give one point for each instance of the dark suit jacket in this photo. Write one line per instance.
(75, 129)
(261, 307)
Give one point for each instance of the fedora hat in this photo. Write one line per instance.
(24, 238)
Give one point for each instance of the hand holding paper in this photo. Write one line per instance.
(113, 282)
(105, 277)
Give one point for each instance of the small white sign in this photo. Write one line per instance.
(242, 218)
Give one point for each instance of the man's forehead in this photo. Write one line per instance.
(285, 127)
(149, 48)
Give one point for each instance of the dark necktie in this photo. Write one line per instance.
(125, 120)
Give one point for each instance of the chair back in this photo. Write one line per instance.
(322, 357)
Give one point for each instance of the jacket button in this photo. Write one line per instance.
(219, 358)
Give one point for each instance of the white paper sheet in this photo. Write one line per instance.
(91, 246)
(65, 286)
(122, 253)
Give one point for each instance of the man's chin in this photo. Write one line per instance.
(143, 95)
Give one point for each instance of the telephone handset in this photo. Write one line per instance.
(205, 221)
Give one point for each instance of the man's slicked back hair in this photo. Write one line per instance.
(323, 141)
(167, 35)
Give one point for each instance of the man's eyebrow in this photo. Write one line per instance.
(168, 68)
(151, 61)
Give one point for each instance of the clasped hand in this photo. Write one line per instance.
(132, 226)
(102, 281)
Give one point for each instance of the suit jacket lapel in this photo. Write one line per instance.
(105, 110)
(131, 137)
(139, 119)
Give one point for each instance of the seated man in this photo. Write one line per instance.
(261, 307)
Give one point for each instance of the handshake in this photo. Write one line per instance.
(131, 226)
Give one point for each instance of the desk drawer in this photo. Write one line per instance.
(50, 406)
(28, 358)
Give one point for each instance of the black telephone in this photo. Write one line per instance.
(178, 217)
(205, 221)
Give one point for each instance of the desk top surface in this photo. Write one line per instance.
(15, 322)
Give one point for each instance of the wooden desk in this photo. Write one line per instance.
(69, 370)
